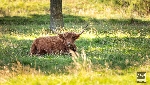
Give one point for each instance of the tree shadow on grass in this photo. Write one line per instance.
(45, 19)
(102, 25)
(83, 19)
(21, 20)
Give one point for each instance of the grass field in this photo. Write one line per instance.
(112, 50)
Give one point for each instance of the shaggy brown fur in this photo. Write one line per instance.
(60, 44)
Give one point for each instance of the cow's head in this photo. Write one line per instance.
(69, 38)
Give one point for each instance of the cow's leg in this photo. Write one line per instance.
(41, 52)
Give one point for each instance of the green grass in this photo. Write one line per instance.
(74, 79)
(115, 46)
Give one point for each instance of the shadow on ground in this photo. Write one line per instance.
(45, 19)
(39, 23)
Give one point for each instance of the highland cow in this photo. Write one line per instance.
(60, 44)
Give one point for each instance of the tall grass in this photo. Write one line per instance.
(23, 7)
(79, 74)
(95, 9)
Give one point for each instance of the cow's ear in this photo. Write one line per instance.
(61, 36)
(76, 36)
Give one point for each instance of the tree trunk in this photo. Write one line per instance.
(56, 16)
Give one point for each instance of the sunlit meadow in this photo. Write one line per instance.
(112, 50)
